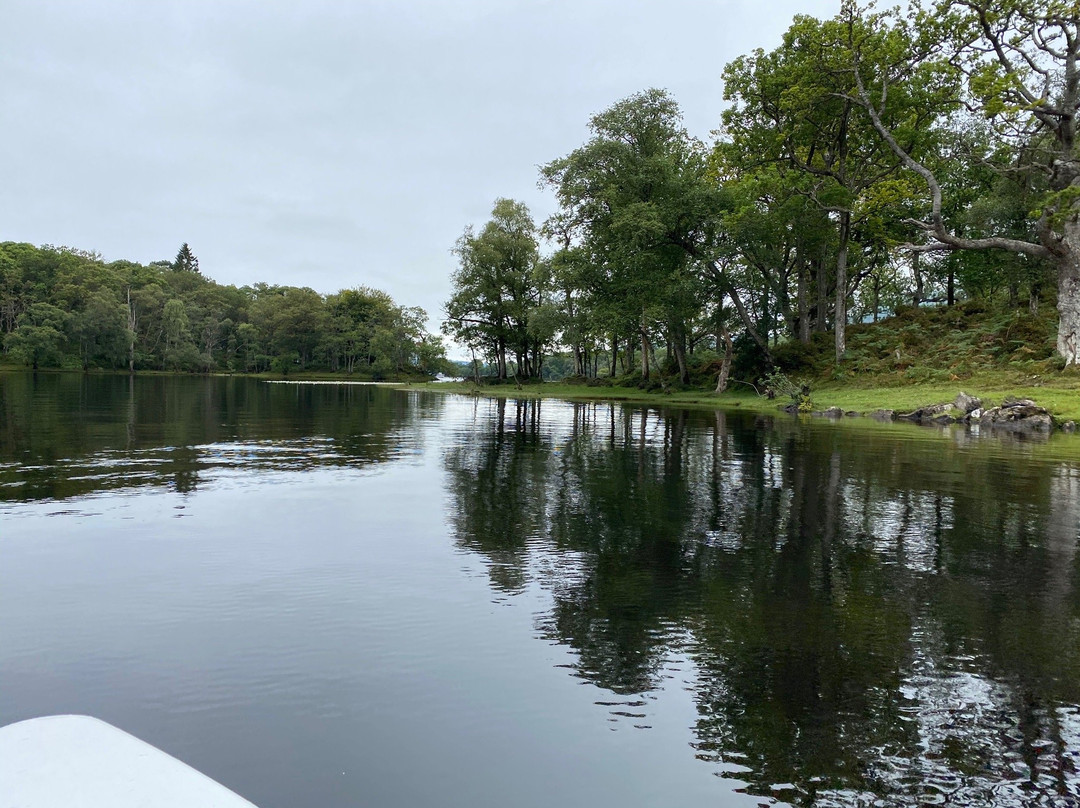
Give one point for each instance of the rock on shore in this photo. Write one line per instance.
(1014, 414)
(1018, 415)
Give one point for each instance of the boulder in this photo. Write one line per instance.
(832, 412)
(925, 413)
(883, 415)
(1011, 401)
(1018, 415)
(943, 419)
(853, 414)
(1069, 426)
(966, 403)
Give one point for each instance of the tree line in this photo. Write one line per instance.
(873, 160)
(67, 308)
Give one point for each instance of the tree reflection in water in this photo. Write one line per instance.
(875, 615)
(69, 435)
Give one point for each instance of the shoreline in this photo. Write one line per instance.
(1059, 395)
(1062, 403)
(316, 376)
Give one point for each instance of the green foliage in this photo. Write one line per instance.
(499, 291)
(185, 260)
(777, 384)
(794, 355)
(39, 336)
(643, 209)
(61, 307)
(932, 344)
(801, 218)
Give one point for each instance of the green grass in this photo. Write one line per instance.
(917, 358)
(1060, 394)
(580, 392)
(1062, 399)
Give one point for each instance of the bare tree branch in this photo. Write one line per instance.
(936, 225)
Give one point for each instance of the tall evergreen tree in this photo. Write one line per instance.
(186, 261)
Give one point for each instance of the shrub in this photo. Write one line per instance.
(794, 356)
(776, 383)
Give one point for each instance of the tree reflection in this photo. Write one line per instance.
(67, 435)
(873, 613)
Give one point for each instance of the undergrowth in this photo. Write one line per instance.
(940, 344)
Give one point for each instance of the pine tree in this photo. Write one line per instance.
(186, 260)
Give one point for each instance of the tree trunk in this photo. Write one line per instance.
(614, 354)
(877, 296)
(766, 315)
(644, 349)
(131, 332)
(840, 313)
(803, 303)
(917, 297)
(725, 366)
(1068, 303)
(680, 357)
(748, 324)
(822, 282)
(950, 287)
(677, 347)
(652, 353)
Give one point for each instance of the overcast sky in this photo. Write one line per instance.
(328, 144)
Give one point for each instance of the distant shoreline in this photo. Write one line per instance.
(330, 378)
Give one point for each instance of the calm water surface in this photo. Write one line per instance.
(353, 596)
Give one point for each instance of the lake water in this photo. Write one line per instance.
(330, 596)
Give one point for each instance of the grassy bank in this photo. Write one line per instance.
(920, 357)
(1060, 396)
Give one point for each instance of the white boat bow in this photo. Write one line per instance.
(75, 761)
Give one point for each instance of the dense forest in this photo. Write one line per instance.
(67, 308)
(872, 161)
